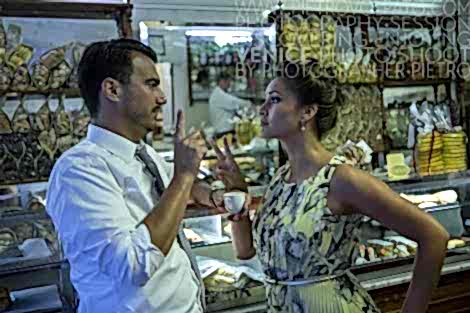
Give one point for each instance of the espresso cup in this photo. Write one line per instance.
(233, 201)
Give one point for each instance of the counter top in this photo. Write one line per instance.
(395, 274)
(402, 274)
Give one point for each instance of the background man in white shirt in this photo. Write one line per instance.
(118, 230)
(223, 106)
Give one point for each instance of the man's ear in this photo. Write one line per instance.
(112, 89)
(309, 112)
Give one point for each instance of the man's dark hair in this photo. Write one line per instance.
(223, 76)
(105, 59)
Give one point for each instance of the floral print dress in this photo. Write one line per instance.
(297, 238)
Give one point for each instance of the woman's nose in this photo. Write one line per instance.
(262, 109)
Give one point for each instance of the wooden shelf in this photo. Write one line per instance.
(410, 83)
(23, 181)
(53, 261)
(68, 92)
(80, 9)
(7, 220)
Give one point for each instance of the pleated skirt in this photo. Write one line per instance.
(340, 295)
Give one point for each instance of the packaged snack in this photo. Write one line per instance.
(19, 56)
(39, 113)
(59, 75)
(62, 119)
(20, 123)
(5, 77)
(40, 76)
(21, 79)
(80, 121)
(77, 49)
(42, 67)
(5, 124)
(53, 57)
(48, 142)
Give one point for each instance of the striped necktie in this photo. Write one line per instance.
(142, 154)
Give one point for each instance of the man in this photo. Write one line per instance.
(223, 106)
(116, 204)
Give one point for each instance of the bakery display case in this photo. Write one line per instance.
(383, 259)
(33, 271)
(41, 116)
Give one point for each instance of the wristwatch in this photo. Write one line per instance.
(211, 196)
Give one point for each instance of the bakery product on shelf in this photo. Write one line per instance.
(429, 154)
(454, 152)
(225, 279)
(192, 236)
(455, 243)
(429, 200)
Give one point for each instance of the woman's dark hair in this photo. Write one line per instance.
(105, 59)
(311, 91)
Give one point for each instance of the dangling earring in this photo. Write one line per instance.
(302, 126)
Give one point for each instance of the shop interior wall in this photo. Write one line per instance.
(45, 34)
(242, 12)
(176, 54)
(180, 12)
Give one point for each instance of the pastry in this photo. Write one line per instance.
(20, 123)
(59, 75)
(48, 142)
(21, 80)
(64, 143)
(5, 125)
(63, 124)
(6, 76)
(40, 76)
(20, 56)
(41, 120)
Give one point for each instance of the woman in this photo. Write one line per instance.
(306, 231)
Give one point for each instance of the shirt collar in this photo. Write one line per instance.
(220, 90)
(112, 142)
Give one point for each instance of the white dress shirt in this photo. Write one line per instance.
(98, 195)
(222, 108)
